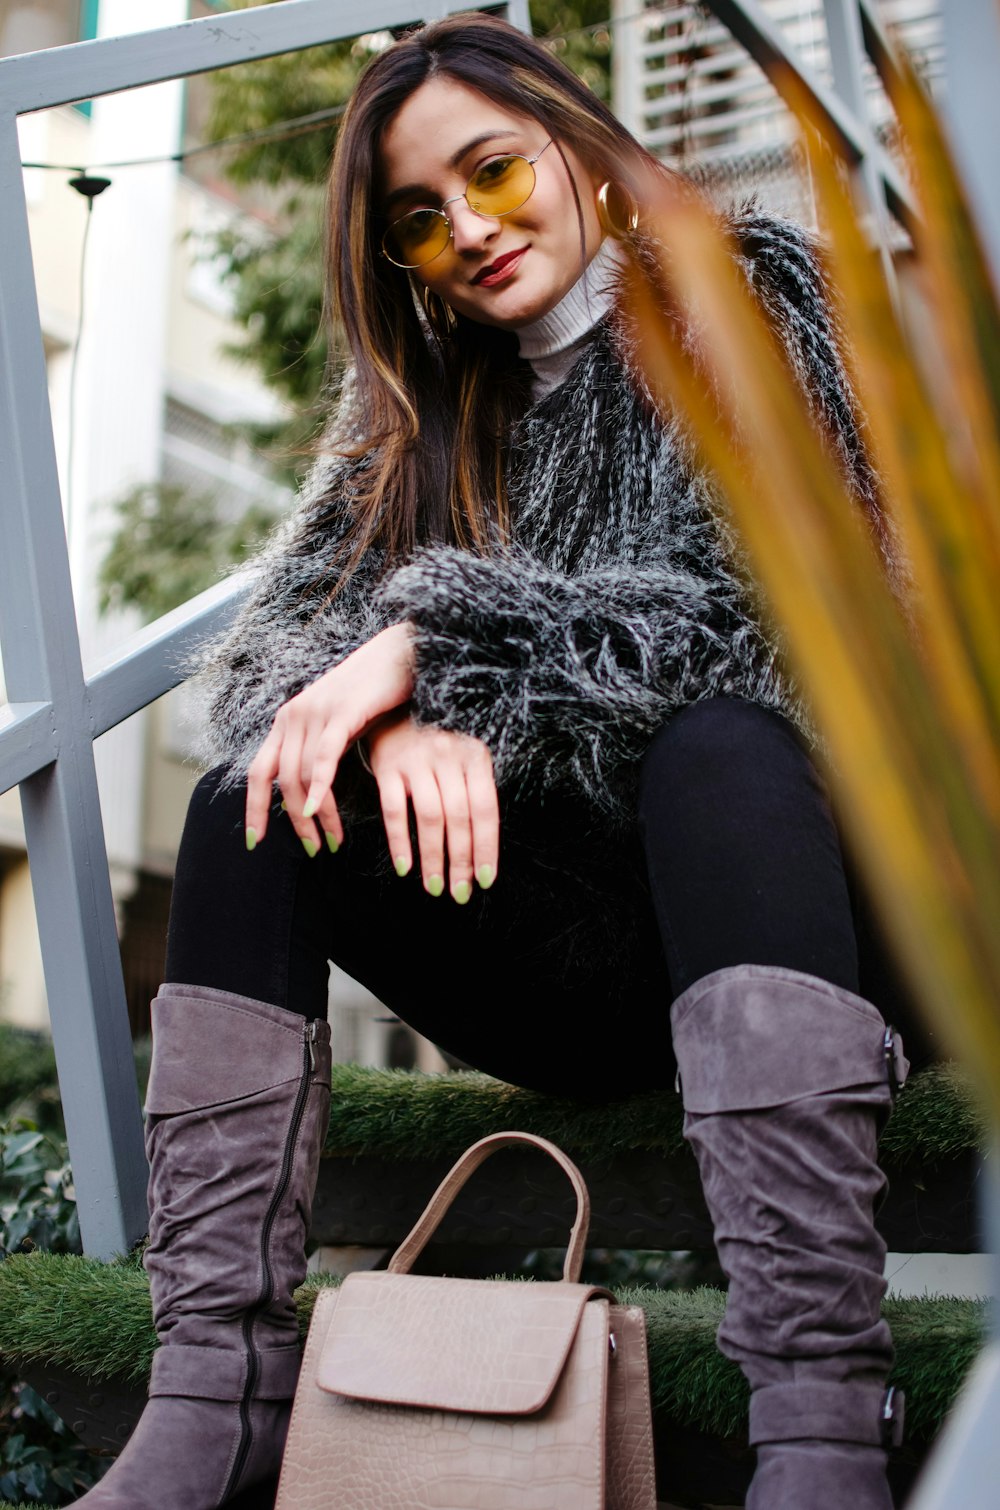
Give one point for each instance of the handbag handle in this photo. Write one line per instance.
(411, 1247)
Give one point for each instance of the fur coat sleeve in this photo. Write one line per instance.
(621, 598)
(286, 634)
(567, 677)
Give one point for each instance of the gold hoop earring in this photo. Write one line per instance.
(441, 318)
(617, 210)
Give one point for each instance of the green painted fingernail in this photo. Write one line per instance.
(435, 885)
(311, 848)
(284, 806)
(402, 865)
(332, 844)
(462, 893)
(251, 838)
(486, 875)
(310, 808)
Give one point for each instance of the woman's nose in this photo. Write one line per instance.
(471, 231)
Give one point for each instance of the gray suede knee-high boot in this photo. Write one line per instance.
(786, 1080)
(237, 1109)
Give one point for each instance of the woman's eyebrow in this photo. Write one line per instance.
(453, 162)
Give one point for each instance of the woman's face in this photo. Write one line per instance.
(430, 148)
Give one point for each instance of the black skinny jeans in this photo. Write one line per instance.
(735, 858)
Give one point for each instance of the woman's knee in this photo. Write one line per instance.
(217, 806)
(711, 740)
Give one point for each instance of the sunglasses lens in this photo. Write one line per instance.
(501, 185)
(416, 238)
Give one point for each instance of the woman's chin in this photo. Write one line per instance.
(517, 308)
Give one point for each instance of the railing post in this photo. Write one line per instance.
(60, 803)
(847, 54)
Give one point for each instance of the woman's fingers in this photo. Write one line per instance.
(321, 757)
(429, 815)
(328, 818)
(261, 776)
(458, 830)
(448, 777)
(395, 817)
(484, 811)
(293, 788)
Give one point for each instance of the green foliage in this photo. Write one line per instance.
(170, 545)
(268, 91)
(37, 1199)
(28, 1085)
(277, 289)
(277, 279)
(41, 1459)
(579, 36)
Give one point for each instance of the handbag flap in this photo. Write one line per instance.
(493, 1347)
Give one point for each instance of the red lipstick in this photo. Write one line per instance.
(502, 268)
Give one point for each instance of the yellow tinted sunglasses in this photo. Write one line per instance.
(498, 187)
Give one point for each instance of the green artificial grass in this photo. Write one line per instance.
(400, 1114)
(77, 1313)
(937, 1340)
(95, 1319)
(935, 1117)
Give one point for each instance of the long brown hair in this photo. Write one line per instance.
(435, 416)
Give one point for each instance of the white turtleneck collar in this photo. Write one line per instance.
(553, 343)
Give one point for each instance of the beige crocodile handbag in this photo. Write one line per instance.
(472, 1394)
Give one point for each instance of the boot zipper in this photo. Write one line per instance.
(253, 1357)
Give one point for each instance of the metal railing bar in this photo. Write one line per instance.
(847, 54)
(877, 45)
(74, 906)
(86, 70)
(27, 741)
(765, 44)
(60, 804)
(152, 661)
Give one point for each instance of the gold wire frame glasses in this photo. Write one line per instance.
(498, 187)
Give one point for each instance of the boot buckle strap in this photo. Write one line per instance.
(892, 1417)
(897, 1065)
(212, 1373)
(866, 1414)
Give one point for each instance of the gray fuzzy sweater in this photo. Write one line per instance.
(622, 597)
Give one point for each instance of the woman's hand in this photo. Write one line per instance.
(449, 779)
(313, 729)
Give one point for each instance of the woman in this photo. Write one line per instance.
(506, 593)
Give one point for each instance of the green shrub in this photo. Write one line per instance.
(37, 1199)
(40, 1459)
(28, 1085)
